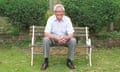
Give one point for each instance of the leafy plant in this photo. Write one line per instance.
(95, 14)
(23, 13)
(113, 34)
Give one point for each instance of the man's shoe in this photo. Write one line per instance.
(70, 65)
(44, 66)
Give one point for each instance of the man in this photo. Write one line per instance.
(59, 31)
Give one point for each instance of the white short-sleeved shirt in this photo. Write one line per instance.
(59, 28)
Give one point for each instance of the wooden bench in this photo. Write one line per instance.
(80, 33)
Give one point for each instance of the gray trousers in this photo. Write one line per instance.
(47, 42)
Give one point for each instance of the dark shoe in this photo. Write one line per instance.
(44, 66)
(70, 65)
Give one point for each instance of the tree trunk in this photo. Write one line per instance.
(52, 3)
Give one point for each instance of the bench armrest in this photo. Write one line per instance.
(88, 42)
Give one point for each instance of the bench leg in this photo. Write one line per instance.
(88, 55)
(32, 56)
(90, 51)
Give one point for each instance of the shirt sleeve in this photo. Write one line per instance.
(70, 28)
(48, 25)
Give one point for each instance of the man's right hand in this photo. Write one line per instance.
(60, 39)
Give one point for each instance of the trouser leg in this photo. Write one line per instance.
(46, 46)
(71, 47)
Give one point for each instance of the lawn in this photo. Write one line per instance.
(17, 60)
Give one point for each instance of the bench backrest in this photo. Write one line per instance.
(79, 31)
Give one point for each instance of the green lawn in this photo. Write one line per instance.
(17, 60)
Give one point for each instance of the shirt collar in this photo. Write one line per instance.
(57, 20)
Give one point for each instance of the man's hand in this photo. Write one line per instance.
(61, 39)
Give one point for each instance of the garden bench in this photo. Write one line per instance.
(80, 32)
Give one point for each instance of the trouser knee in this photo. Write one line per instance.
(73, 40)
(46, 40)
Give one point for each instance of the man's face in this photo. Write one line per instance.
(59, 12)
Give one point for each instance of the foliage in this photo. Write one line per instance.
(48, 14)
(6, 27)
(92, 13)
(113, 34)
(23, 13)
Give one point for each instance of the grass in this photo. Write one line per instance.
(16, 60)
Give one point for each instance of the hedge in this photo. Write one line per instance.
(23, 13)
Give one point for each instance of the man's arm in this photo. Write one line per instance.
(60, 39)
(69, 36)
(49, 35)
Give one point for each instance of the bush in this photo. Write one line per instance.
(95, 14)
(23, 13)
(114, 34)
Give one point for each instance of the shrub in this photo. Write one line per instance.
(23, 13)
(114, 34)
(95, 14)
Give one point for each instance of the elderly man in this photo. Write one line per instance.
(59, 31)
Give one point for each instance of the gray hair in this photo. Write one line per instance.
(59, 5)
